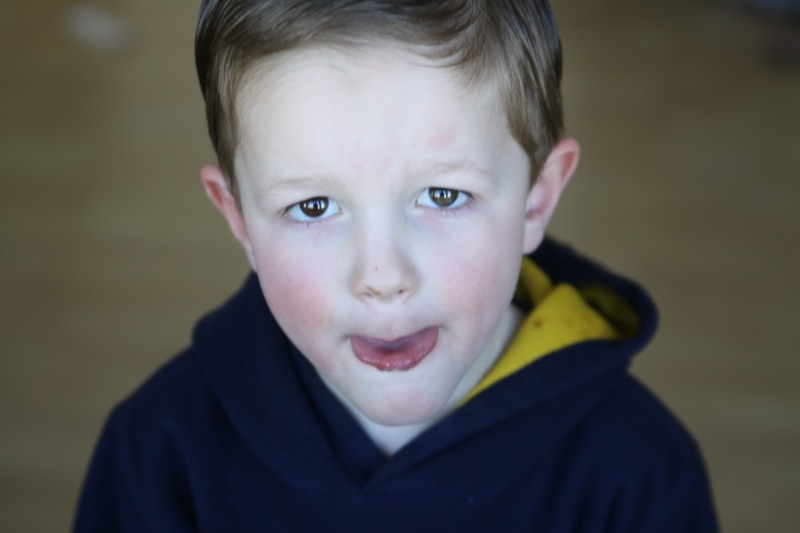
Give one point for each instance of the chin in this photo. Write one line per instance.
(403, 409)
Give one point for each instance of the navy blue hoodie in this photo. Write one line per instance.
(239, 434)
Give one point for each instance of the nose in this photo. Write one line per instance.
(384, 269)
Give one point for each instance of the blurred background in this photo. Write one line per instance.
(689, 115)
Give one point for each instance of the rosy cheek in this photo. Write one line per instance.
(482, 275)
(295, 292)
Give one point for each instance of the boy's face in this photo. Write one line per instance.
(385, 208)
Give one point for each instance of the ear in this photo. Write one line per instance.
(543, 196)
(216, 187)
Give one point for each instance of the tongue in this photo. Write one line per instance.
(400, 354)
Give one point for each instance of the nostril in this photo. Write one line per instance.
(371, 292)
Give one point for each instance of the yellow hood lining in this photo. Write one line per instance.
(562, 315)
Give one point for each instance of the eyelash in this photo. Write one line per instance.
(461, 204)
(462, 200)
(309, 220)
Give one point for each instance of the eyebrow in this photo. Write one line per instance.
(322, 182)
(438, 169)
(290, 183)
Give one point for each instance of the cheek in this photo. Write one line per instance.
(484, 289)
(294, 291)
(479, 274)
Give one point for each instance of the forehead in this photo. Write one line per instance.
(382, 102)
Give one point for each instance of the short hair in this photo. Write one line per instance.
(512, 43)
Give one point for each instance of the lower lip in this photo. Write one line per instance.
(399, 354)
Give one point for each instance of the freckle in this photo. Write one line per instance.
(442, 139)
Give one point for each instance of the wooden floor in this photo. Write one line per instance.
(690, 182)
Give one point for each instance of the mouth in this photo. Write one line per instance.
(403, 353)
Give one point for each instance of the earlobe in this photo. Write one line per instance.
(546, 191)
(217, 190)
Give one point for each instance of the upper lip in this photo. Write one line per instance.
(390, 340)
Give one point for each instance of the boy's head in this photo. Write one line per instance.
(384, 191)
(512, 45)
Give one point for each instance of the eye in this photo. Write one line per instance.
(441, 198)
(317, 208)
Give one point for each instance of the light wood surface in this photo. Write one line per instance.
(109, 250)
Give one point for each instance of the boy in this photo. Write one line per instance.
(394, 362)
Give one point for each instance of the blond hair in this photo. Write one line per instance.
(511, 43)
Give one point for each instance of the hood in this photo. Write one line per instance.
(280, 407)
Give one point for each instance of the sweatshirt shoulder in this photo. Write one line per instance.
(138, 478)
(651, 465)
(171, 393)
(633, 427)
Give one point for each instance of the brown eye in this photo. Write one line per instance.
(443, 197)
(314, 207)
